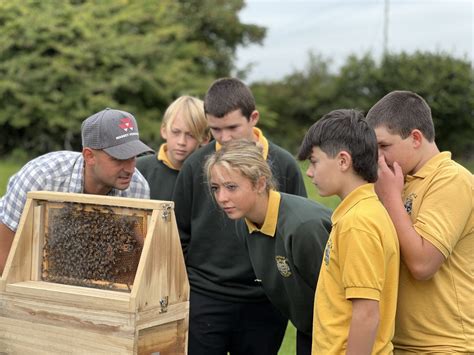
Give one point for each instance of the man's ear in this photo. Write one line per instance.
(344, 160)
(254, 117)
(417, 138)
(89, 156)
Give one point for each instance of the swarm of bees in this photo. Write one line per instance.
(91, 247)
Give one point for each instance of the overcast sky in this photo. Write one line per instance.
(337, 28)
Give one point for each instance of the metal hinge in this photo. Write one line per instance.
(164, 304)
(166, 213)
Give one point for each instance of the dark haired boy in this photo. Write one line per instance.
(229, 311)
(356, 294)
(430, 199)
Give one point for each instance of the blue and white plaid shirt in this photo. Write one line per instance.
(61, 171)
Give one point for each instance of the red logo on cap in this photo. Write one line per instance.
(126, 124)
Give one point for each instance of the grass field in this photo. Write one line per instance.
(7, 169)
(289, 343)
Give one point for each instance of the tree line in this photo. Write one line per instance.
(61, 61)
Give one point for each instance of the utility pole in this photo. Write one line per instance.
(385, 28)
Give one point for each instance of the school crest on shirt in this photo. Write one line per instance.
(327, 252)
(283, 266)
(409, 202)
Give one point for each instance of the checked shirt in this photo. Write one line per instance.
(61, 171)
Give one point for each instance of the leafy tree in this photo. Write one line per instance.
(293, 103)
(216, 24)
(445, 82)
(61, 61)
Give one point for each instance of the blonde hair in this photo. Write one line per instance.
(244, 156)
(192, 111)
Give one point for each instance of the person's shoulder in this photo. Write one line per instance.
(281, 157)
(50, 161)
(47, 167)
(139, 187)
(453, 168)
(276, 149)
(368, 214)
(139, 177)
(145, 162)
(143, 159)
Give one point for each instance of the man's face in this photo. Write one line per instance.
(396, 149)
(106, 172)
(232, 126)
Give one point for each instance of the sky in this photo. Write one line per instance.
(338, 28)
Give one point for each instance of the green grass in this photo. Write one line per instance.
(289, 342)
(7, 169)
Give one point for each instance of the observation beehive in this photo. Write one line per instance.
(94, 274)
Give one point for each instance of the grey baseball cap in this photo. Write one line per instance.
(115, 132)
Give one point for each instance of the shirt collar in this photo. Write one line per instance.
(164, 157)
(271, 216)
(261, 140)
(430, 166)
(361, 193)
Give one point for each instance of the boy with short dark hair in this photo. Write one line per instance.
(430, 199)
(356, 295)
(229, 311)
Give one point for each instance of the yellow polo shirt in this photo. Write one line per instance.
(437, 315)
(361, 260)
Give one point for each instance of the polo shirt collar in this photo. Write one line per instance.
(361, 193)
(430, 166)
(164, 157)
(271, 217)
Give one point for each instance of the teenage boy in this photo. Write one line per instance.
(429, 198)
(356, 294)
(184, 128)
(110, 143)
(229, 311)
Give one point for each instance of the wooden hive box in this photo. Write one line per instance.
(94, 274)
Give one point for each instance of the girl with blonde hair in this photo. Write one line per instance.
(284, 234)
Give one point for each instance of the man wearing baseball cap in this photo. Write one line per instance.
(110, 143)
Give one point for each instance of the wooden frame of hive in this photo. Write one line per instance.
(44, 318)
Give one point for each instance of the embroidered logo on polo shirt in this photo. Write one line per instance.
(327, 252)
(409, 203)
(126, 124)
(282, 265)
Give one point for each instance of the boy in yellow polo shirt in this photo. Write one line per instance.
(429, 198)
(356, 295)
